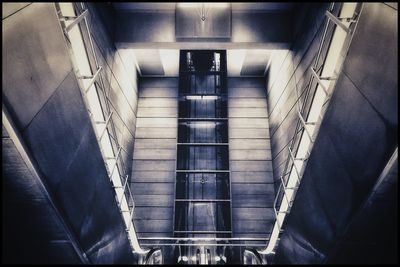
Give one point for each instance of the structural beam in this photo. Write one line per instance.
(156, 30)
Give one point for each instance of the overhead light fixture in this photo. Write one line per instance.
(201, 97)
(202, 124)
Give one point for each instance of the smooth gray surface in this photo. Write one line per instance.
(135, 28)
(29, 218)
(381, 93)
(9, 9)
(42, 92)
(35, 59)
(355, 141)
(216, 23)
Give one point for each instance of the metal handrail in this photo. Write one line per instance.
(303, 123)
(77, 20)
(106, 109)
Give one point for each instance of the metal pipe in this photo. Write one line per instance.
(319, 81)
(304, 126)
(105, 127)
(294, 165)
(94, 78)
(337, 21)
(77, 20)
(116, 162)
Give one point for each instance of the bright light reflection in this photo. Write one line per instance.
(234, 61)
(170, 61)
(202, 124)
(201, 97)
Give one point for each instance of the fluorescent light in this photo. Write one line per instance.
(202, 124)
(201, 97)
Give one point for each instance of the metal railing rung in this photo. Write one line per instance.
(77, 20)
(294, 165)
(338, 21)
(319, 81)
(97, 79)
(116, 162)
(93, 79)
(105, 127)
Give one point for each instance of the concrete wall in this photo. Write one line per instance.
(40, 89)
(120, 80)
(288, 77)
(356, 139)
(26, 207)
(250, 158)
(154, 158)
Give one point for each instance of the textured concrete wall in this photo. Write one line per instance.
(250, 158)
(154, 158)
(40, 90)
(356, 139)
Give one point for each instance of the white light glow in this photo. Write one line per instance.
(202, 124)
(201, 97)
(234, 61)
(198, 5)
(170, 62)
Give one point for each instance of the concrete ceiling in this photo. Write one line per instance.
(150, 35)
(165, 62)
(237, 6)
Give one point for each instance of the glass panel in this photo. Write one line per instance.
(205, 217)
(203, 158)
(202, 186)
(203, 132)
(203, 108)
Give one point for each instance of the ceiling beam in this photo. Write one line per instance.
(156, 29)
